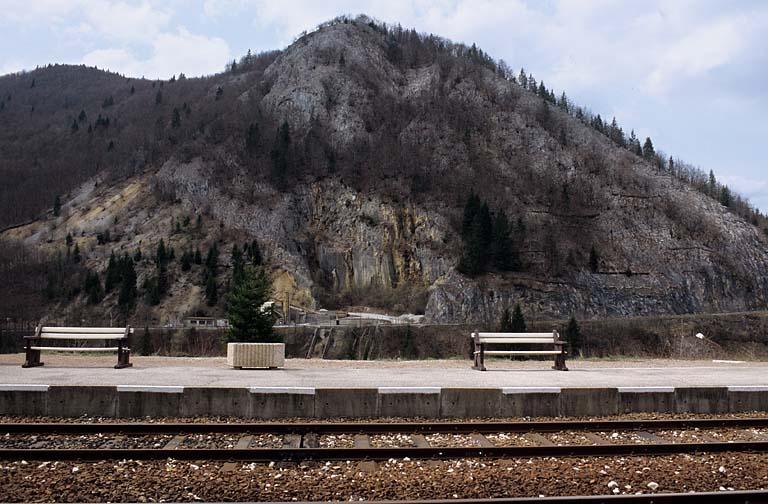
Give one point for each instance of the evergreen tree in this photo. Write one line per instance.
(112, 276)
(544, 116)
(254, 253)
(501, 247)
(725, 196)
(594, 260)
(477, 241)
(126, 299)
(162, 280)
(532, 84)
(522, 79)
(161, 256)
(237, 262)
(198, 257)
(542, 91)
(186, 261)
(505, 324)
(648, 152)
(211, 290)
(280, 154)
(93, 289)
(176, 120)
(250, 319)
(712, 184)
(212, 259)
(518, 321)
(483, 231)
(57, 206)
(74, 127)
(572, 336)
(68, 240)
(76, 258)
(471, 208)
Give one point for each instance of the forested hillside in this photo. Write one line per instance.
(364, 164)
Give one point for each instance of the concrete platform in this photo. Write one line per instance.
(161, 386)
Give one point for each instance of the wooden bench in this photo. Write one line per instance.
(483, 339)
(118, 334)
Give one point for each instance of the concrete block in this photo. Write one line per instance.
(470, 402)
(530, 402)
(646, 399)
(589, 401)
(701, 400)
(421, 402)
(79, 400)
(26, 400)
(747, 398)
(345, 402)
(214, 401)
(135, 401)
(282, 402)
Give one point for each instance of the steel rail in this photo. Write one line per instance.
(731, 497)
(380, 428)
(432, 452)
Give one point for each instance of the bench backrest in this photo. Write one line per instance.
(521, 338)
(83, 333)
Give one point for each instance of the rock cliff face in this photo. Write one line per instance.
(386, 142)
(325, 236)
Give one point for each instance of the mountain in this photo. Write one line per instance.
(372, 166)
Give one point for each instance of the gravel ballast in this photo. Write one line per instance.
(170, 480)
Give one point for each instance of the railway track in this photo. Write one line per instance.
(740, 497)
(268, 442)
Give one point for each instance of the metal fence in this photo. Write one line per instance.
(11, 333)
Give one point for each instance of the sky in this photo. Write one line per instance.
(691, 74)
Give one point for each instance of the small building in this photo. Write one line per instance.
(206, 323)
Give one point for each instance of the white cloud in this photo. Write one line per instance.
(125, 22)
(697, 52)
(172, 53)
(37, 11)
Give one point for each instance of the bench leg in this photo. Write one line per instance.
(479, 364)
(560, 363)
(32, 358)
(123, 357)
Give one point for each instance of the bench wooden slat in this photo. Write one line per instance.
(514, 335)
(532, 341)
(75, 336)
(84, 330)
(521, 352)
(76, 349)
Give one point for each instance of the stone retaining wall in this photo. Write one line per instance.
(129, 401)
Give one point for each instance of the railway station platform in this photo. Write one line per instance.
(168, 386)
